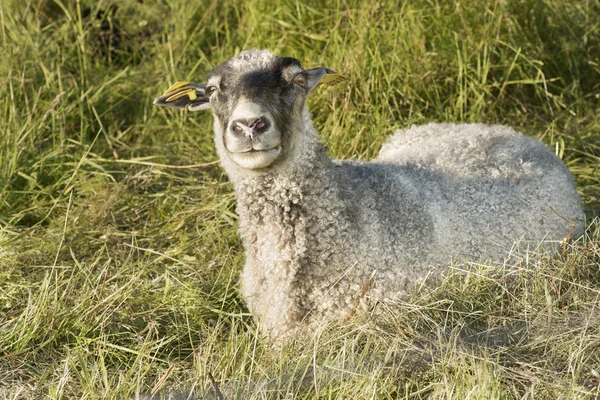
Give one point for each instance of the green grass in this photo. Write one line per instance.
(119, 273)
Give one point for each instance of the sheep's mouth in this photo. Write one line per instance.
(256, 158)
(253, 150)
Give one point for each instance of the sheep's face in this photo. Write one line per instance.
(257, 99)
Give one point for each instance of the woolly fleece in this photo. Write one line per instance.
(314, 230)
(314, 233)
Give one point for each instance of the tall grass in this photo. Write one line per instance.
(119, 262)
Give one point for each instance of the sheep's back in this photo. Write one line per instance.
(500, 186)
(470, 150)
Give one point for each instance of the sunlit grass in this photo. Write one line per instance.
(119, 272)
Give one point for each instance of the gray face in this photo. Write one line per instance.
(257, 99)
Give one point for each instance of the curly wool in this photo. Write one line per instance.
(315, 230)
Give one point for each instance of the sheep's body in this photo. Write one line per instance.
(314, 230)
(314, 233)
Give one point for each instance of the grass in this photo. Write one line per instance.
(119, 272)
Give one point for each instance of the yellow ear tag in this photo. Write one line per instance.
(333, 79)
(176, 85)
(191, 93)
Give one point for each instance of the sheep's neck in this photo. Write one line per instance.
(281, 204)
(277, 214)
(283, 194)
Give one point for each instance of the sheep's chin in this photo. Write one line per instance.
(256, 159)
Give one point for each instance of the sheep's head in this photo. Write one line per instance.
(257, 100)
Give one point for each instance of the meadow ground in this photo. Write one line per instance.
(119, 258)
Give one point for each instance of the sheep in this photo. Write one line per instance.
(317, 232)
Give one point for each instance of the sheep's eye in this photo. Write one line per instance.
(300, 79)
(210, 90)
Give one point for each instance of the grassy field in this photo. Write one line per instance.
(119, 258)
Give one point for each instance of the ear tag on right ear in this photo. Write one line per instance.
(174, 89)
(179, 90)
(191, 93)
(333, 79)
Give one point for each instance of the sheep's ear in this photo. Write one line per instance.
(321, 75)
(183, 95)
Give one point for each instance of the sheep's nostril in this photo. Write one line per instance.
(250, 126)
(261, 126)
(237, 128)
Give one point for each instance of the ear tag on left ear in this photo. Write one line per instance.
(333, 79)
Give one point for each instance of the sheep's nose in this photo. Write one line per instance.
(250, 126)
